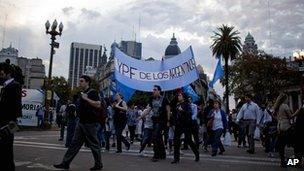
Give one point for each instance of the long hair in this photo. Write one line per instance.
(279, 101)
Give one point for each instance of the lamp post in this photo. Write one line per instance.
(53, 32)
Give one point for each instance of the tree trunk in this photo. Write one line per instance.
(226, 83)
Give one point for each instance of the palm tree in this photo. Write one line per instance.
(226, 43)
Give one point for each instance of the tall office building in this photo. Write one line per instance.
(131, 48)
(84, 56)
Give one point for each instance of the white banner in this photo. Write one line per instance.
(31, 100)
(170, 74)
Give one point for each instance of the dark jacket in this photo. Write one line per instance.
(182, 118)
(224, 118)
(10, 103)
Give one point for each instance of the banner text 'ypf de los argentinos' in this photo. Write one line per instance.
(170, 74)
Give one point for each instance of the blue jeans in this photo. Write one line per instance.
(146, 138)
(101, 134)
(216, 140)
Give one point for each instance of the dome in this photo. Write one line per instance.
(249, 36)
(114, 44)
(172, 49)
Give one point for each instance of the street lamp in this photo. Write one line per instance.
(53, 32)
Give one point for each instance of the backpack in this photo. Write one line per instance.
(102, 113)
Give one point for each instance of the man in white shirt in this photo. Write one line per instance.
(61, 121)
(250, 115)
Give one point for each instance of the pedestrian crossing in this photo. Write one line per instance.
(228, 159)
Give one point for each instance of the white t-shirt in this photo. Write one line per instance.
(217, 122)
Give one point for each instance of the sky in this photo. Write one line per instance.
(192, 21)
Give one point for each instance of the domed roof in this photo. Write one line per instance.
(114, 44)
(249, 36)
(172, 48)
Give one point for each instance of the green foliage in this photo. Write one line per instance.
(61, 88)
(140, 98)
(226, 42)
(262, 75)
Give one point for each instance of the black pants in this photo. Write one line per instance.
(7, 153)
(84, 133)
(283, 139)
(158, 143)
(179, 130)
(120, 138)
(194, 134)
(132, 131)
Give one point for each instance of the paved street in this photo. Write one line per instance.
(39, 150)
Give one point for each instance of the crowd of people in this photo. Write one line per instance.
(168, 125)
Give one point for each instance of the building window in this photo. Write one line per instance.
(95, 58)
(86, 58)
(91, 58)
(81, 62)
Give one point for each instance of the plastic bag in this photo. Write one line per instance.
(227, 139)
(257, 134)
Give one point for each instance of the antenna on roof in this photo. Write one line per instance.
(139, 23)
(270, 42)
(4, 30)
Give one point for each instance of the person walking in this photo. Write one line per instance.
(148, 130)
(132, 115)
(120, 122)
(40, 116)
(182, 124)
(71, 121)
(86, 128)
(10, 110)
(160, 107)
(61, 120)
(217, 123)
(284, 115)
(250, 115)
(205, 112)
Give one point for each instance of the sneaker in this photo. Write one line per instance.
(141, 153)
(113, 145)
(271, 155)
(61, 166)
(60, 139)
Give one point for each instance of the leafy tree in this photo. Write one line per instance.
(61, 88)
(226, 43)
(262, 75)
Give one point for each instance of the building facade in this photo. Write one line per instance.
(84, 56)
(249, 45)
(33, 71)
(9, 53)
(131, 48)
